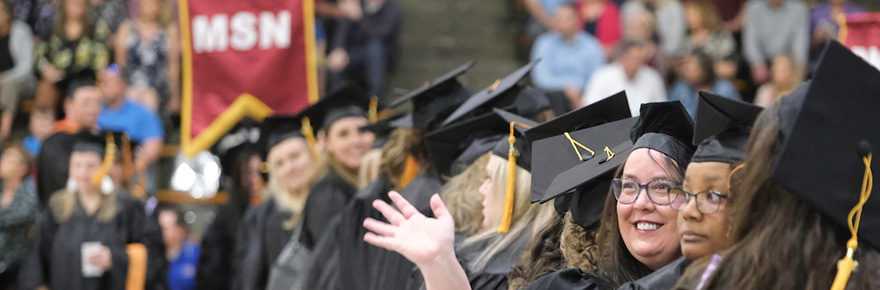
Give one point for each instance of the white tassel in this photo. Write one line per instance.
(107, 185)
(71, 185)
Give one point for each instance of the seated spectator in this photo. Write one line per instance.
(18, 207)
(141, 124)
(148, 48)
(789, 22)
(696, 74)
(642, 83)
(181, 251)
(81, 108)
(823, 23)
(785, 76)
(16, 70)
(705, 34)
(640, 27)
(40, 125)
(670, 20)
(600, 18)
(568, 58)
(73, 34)
(542, 12)
(366, 44)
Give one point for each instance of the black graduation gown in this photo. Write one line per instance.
(420, 189)
(327, 198)
(344, 261)
(568, 279)
(261, 237)
(664, 278)
(215, 269)
(55, 258)
(494, 276)
(52, 165)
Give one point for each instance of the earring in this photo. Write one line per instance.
(107, 185)
(728, 230)
(71, 185)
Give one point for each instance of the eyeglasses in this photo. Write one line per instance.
(708, 202)
(627, 191)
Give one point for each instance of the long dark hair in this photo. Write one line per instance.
(240, 188)
(88, 28)
(616, 264)
(783, 242)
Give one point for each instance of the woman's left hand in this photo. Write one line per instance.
(102, 259)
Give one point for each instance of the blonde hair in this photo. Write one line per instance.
(293, 201)
(63, 203)
(463, 199)
(527, 218)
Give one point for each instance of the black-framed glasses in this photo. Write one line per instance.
(627, 191)
(708, 202)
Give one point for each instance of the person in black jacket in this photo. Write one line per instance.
(365, 44)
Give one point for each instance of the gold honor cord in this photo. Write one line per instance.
(847, 265)
(510, 193)
(310, 137)
(576, 144)
(109, 155)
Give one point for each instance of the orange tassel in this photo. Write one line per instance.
(109, 156)
(410, 170)
(137, 267)
(128, 161)
(510, 191)
(373, 114)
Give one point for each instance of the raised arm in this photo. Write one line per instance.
(427, 242)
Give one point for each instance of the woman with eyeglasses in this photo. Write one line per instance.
(638, 232)
(704, 197)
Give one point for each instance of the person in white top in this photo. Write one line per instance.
(642, 83)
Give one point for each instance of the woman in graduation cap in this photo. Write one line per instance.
(265, 229)
(707, 193)
(804, 220)
(92, 237)
(637, 235)
(508, 219)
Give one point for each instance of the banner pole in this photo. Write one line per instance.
(308, 7)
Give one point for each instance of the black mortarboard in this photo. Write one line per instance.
(523, 149)
(454, 147)
(666, 127)
(506, 94)
(348, 101)
(828, 128)
(722, 129)
(87, 142)
(277, 129)
(434, 101)
(589, 181)
(553, 152)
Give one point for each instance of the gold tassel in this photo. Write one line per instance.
(373, 114)
(510, 193)
(410, 170)
(575, 144)
(128, 162)
(847, 265)
(109, 156)
(310, 137)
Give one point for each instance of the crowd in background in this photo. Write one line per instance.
(115, 65)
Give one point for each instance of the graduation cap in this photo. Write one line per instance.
(105, 146)
(348, 101)
(382, 128)
(454, 147)
(554, 142)
(835, 114)
(722, 129)
(517, 150)
(583, 187)
(277, 129)
(434, 101)
(506, 94)
(666, 127)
